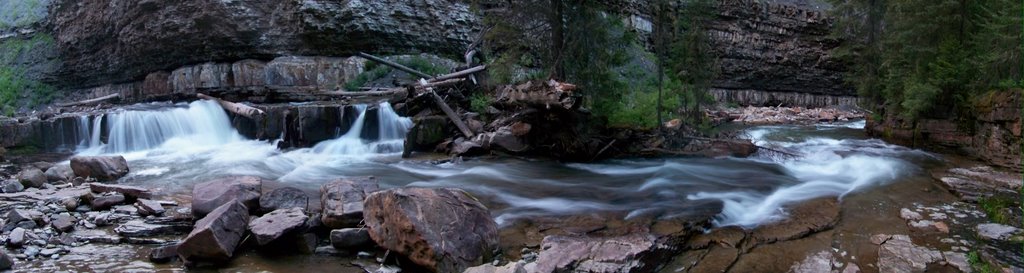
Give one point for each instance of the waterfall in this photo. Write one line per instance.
(392, 129)
(198, 123)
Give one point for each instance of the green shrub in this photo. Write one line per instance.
(995, 208)
(479, 102)
(374, 71)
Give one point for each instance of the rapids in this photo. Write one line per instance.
(171, 148)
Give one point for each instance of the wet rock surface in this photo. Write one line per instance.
(351, 238)
(103, 168)
(207, 196)
(630, 253)
(444, 230)
(32, 178)
(128, 191)
(283, 198)
(343, 199)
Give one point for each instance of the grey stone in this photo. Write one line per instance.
(512, 267)
(103, 168)
(149, 207)
(128, 191)
(106, 200)
(351, 238)
(996, 232)
(164, 254)
(899, 254)
(216, 235)
(62, 222)
(32, 177)
(18, 215)
(11, 186)
(283, 198)
(629, 253)
(276, 224)
(60, 173)
(6, 262)
(342, 200)
(17, 237)
(210, 195)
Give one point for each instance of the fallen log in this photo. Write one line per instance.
(452, 115)
(91, 101)
(233, 107)
(395, 65)
(460, 74)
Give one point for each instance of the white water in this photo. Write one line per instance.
(171, 149)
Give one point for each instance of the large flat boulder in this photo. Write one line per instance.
(59, 173)
(216, 236)
(636, 252)
(804, 218)
(342, 200)
(277, 224)
(283, 198)
(209, 195)
(443, 230)
(103, 168)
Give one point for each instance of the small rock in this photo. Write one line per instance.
(32, 177)
(818, 262)
(164, 254)
(103, 168)
(49, 251)
(210, 195)
(17, 237)
(277, 224)
(140, 228)
(106, 200)
(69, 203)
(909, 215)
(283, 198)
(126, 209)
(996, 232)
(149, 207)
(62, 222)
(899, 254)
(959, 260)
(127, 191)
(516, 267)
(18, 215)
(351, 238)
(327, 251)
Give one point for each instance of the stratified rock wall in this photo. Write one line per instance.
(103, 42)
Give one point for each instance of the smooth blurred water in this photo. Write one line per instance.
(198, 145)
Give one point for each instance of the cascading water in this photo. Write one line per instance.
(201, 123)
(391, 135)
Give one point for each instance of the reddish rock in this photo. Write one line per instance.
(443, 230)
(342, 201)
(105, 201)
(103, 168)
(350, 238)
(32, 178)
(149, 207)
(209, 195)
(629, 253)
(60, 173)
(216, 236)
(803, 219)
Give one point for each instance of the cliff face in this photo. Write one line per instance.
(771, 52)
(116, 41)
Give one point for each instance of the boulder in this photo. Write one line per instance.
(59, 173)
(6, 262)
(283, 198)
(128, 191)
(103, 168)
(63, 222)
(149, 207)
(276, 224)
(11, 186)
(443, 230)
(216, 236)
(305, 243)
(106, 200)
(17, 237)
(351, 238)
(512, 267)
(164, 254)
(342, 201)
(210, 195)
(32, 178)
(628, 253)
(150, 228)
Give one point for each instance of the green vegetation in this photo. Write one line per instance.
(13, 82)
(479, 101)
(979, 265)
(578, 43)
(374, 71)
(996, 208)
(21, 13)
(929, 59)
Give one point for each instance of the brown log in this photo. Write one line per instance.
(451, 115)
(395, 65)
(92, 101)
(233, 107)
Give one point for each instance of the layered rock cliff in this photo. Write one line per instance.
(129, 47)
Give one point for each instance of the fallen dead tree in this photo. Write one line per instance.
(236, 108)
(107, 98)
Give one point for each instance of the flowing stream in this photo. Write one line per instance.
(172, 148)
